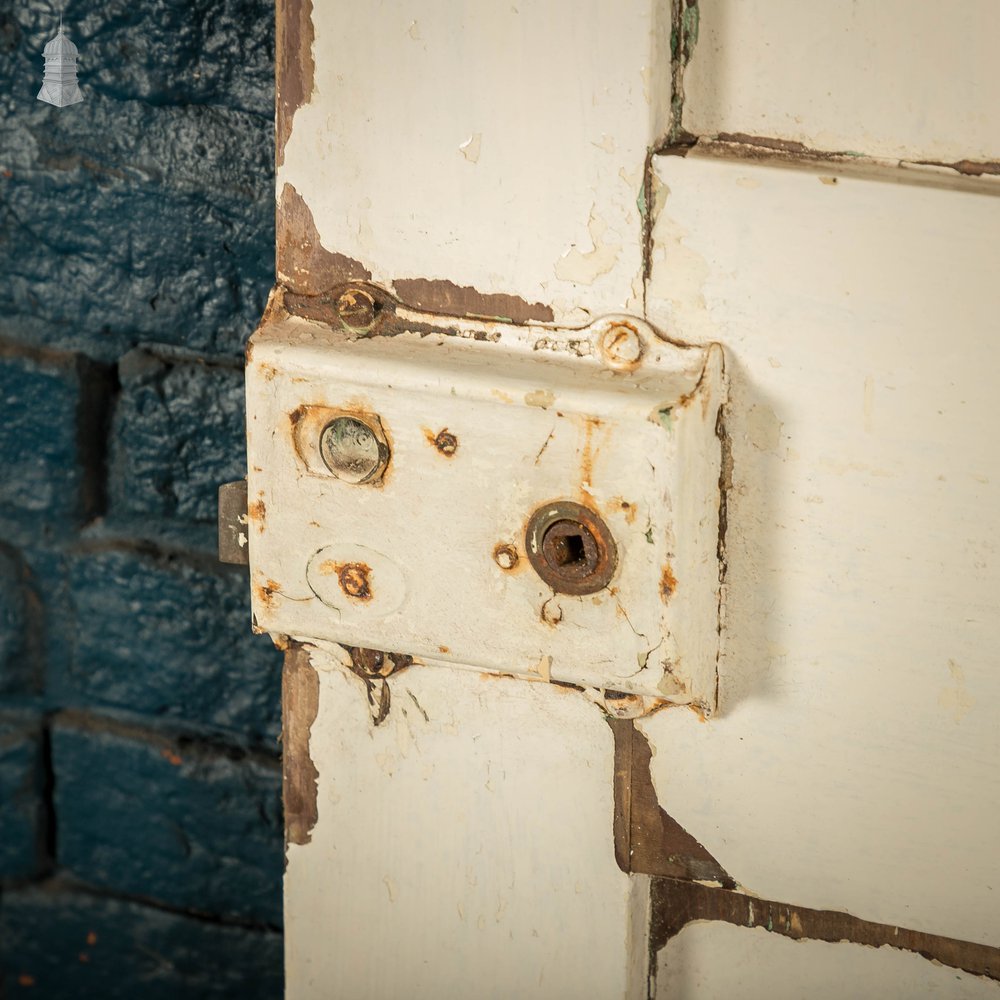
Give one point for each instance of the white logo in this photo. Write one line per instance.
(59, 86)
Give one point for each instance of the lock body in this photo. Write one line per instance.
(524, 500)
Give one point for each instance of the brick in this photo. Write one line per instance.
(38, 438)
(194, 273)
(12, 622)
(58, 944)
(168, 818)
(161, 636)
(178, 432)
(21, 798)
(176, 130)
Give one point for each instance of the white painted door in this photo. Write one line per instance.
(812, 186)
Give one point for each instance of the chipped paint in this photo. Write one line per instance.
(584, 267)
(294, 66)
(462, 300)
(304, 265)
(299, 707)
(470, 149)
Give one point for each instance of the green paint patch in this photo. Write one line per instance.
(666, 419)
(689, 25)
(649, 534)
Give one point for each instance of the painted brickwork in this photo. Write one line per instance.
(140, 825)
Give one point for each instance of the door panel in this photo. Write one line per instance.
(854, 765)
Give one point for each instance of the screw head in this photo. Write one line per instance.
(621, 347)
(505, 556)
(352, 451)
(357, 309)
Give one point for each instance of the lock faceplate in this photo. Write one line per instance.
(527, 500)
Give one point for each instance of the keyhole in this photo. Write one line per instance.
(568, 549)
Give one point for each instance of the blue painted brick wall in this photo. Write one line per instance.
(119, 950)
(140, 826)
(204, 842)
(22, 780)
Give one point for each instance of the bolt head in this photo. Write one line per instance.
(621, 347)
(357, 308)
(352, 451)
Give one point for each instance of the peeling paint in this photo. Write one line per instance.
(471, 147)
(294, 66)
(585, 267)
(304, 265)
(299, 707)
(647, 840)
(462, 300)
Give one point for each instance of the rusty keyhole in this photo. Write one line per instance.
(571, 548)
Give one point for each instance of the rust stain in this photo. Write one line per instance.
(354, 577)
(443, 649)
(668, 583)
(444, 441)
(506, 556)
(294, 67)
(265, 593)
(169, 755)
(551, 616)
(91, 938)
(305, 266)
(257, 512)
(627, 508)
(25, 980)
(297, 414)
(299, 707)
(355, 580)
(463, 300)
(587, 454)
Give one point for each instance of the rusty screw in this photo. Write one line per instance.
(354, 581)
(357, 309)
(621, 347)
(446, 442)
(505, 556)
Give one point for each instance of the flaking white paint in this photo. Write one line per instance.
(854, 765)
(547, 104)
(902, 79)
(463, 847)
(719, 961)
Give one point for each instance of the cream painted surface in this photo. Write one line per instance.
(537, 416)
(493, 145)
(901, 79)
(719, 961)
(463, 847)
(854, 762)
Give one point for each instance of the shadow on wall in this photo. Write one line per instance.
(140, 826)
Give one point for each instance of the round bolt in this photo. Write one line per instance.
(352, 451)
(356, 309)
(505, 556)
(621, 347)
